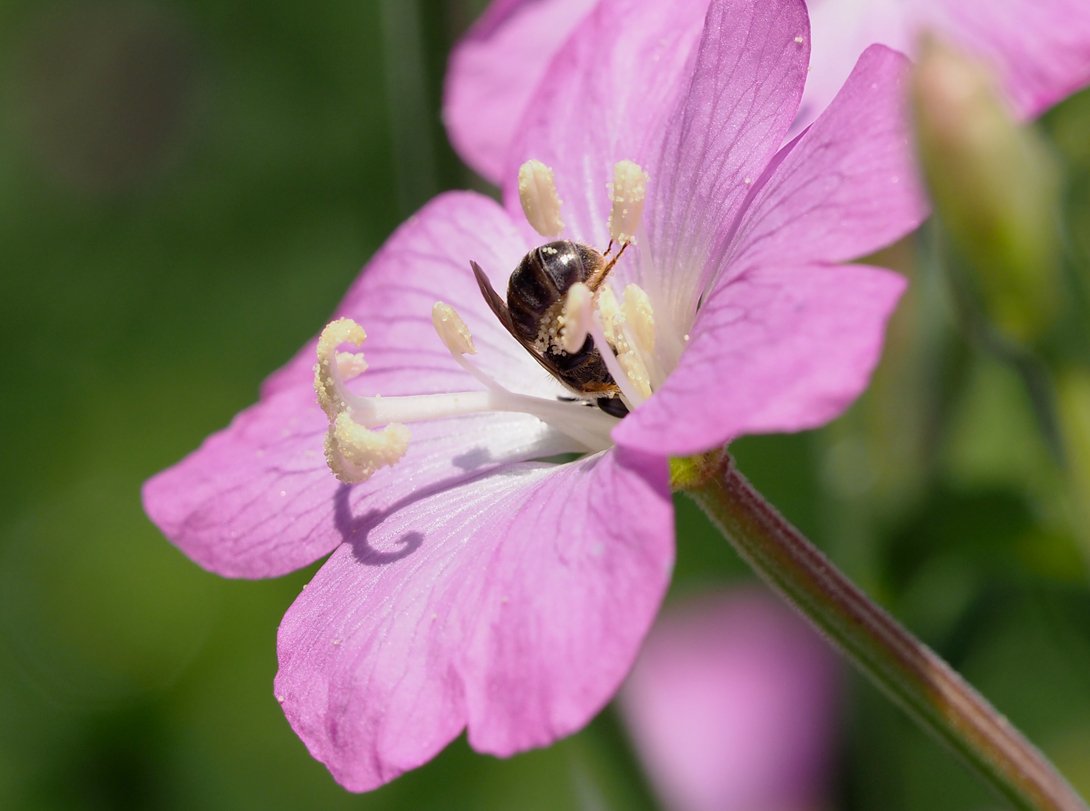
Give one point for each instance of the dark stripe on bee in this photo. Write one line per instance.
(539, 284)
(535, 300)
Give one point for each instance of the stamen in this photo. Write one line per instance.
(627, 193)
(497, 397)
(327, 373)
(610, 313)
(629, 394)
(539, 198)
(639, 325)
(352, 451)
(639, 317)
(634, 366)
(368, 433)
(637, 380)
(452, 330)
(456, 337)
(575, 320)
(604, 327)
(350, 365)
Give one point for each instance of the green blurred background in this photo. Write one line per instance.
(186, 188)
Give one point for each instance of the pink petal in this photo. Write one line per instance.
(1039, 48)
(256, 500)
(847, 186)
(513, 604)
(494, 70)
(744, 92)
(732, 706)
(842, 30)
(605, 97)
(776, 349)
(424, 261)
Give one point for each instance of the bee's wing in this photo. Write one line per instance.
(499, 307)
(497, 304)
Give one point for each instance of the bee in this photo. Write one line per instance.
(535, 300)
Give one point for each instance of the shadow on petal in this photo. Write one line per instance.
(474, 458)
(354, 531)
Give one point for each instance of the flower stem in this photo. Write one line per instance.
(910, 672)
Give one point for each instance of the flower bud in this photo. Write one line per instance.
(993, 185)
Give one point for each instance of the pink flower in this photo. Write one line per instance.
(494, 71)
(732, 706)
(1040, 49)
(478, 579)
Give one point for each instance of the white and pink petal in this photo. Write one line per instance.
(844, 188)
(493, 71)
(842, 30)
(740, 98)
(258, 500)
(426, 260)
(774, 350)
(512, 605)
(1040, 49)
(605, 98)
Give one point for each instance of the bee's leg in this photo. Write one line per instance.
(614, 406)
(582, 401)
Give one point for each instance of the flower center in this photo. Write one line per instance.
(608, 343)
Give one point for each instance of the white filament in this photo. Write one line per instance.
(368, 433)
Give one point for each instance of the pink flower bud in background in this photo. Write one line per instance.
(732, 706)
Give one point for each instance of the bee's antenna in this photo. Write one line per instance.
(594, 281)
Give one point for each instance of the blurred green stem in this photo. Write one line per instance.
(1073, 417)
(909, 671)
(408, 104)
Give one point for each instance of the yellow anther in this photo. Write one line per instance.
(614, 323)
(327, 374)
(610, 311)
(539, 198)
(350, 364)
(632, 363)
(627, 193)
(354, 452)
(639, 317)
(452, 330)
(575, 321)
